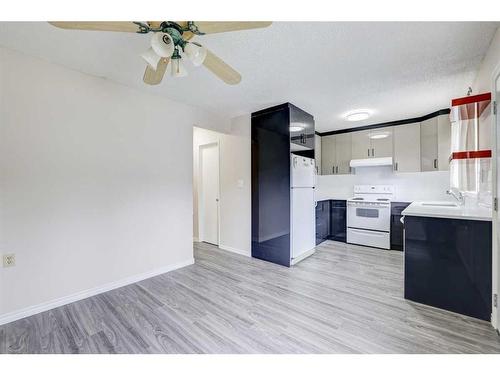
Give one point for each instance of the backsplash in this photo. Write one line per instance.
(418, 186)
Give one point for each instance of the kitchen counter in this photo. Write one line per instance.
(448, 210)
(319, 198)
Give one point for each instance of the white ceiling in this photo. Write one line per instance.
(397, 70)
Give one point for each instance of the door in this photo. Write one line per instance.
(328, 155)
(429, 145)
(381, 142)
(343, 153)
(209, 193)
(407, 148)
(361, 146)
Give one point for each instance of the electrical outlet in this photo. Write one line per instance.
(9, 260)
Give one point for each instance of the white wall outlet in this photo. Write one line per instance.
(9, 260)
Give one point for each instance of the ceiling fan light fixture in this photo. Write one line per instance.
(177, 68)
(162, 44)
(195, 53)
(151, 58)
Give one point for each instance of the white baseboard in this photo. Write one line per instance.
(45, 306)
(303, 256)
(235, 250)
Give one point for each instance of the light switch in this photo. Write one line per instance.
(240, 184)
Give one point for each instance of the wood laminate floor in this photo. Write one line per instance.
(343, 299)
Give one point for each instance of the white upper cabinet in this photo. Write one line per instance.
(435, 143)
(429, 145)
(407, 148)
(317, 153)
(336, 154)
(444, 142)
(328, 154)
(361, 145)
(381, 142)
(416, 147)
(343, 153)
(375, 143)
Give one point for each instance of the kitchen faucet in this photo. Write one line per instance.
(457, 194)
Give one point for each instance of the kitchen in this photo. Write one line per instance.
(384, 186)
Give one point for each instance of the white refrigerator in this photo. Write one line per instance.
(303, 218)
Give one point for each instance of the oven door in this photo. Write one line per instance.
(365, 215)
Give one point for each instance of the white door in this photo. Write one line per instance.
(209, 193)
(407, 148)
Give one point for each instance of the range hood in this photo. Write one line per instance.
(371, 162)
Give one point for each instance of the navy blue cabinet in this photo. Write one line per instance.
(397, 225)
(302, 133)
(448, 264)
(322, 221)
(272, 143)
(338, 226)
(331, 221)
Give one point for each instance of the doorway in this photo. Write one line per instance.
(209, 193)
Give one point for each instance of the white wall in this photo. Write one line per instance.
(483, 81)
(95, 182)
(409, 187)
(235, 200)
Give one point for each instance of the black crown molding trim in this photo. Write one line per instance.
(444, 111)
(271, 109)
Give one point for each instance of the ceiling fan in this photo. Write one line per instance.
(171, 42)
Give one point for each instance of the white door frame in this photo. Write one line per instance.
(200, 187)
(495, 259)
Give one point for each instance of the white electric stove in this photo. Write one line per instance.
(369, 216)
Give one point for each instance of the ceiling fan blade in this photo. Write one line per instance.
(207, 27)
(123, 26)
(221, 69)
(154, 77)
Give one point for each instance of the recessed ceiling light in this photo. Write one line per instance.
(297, 127)
(358, 115)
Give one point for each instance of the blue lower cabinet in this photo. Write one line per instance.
(331, 221)
(322, 221)
(338, 227)
(448, 264)
(397, 225)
